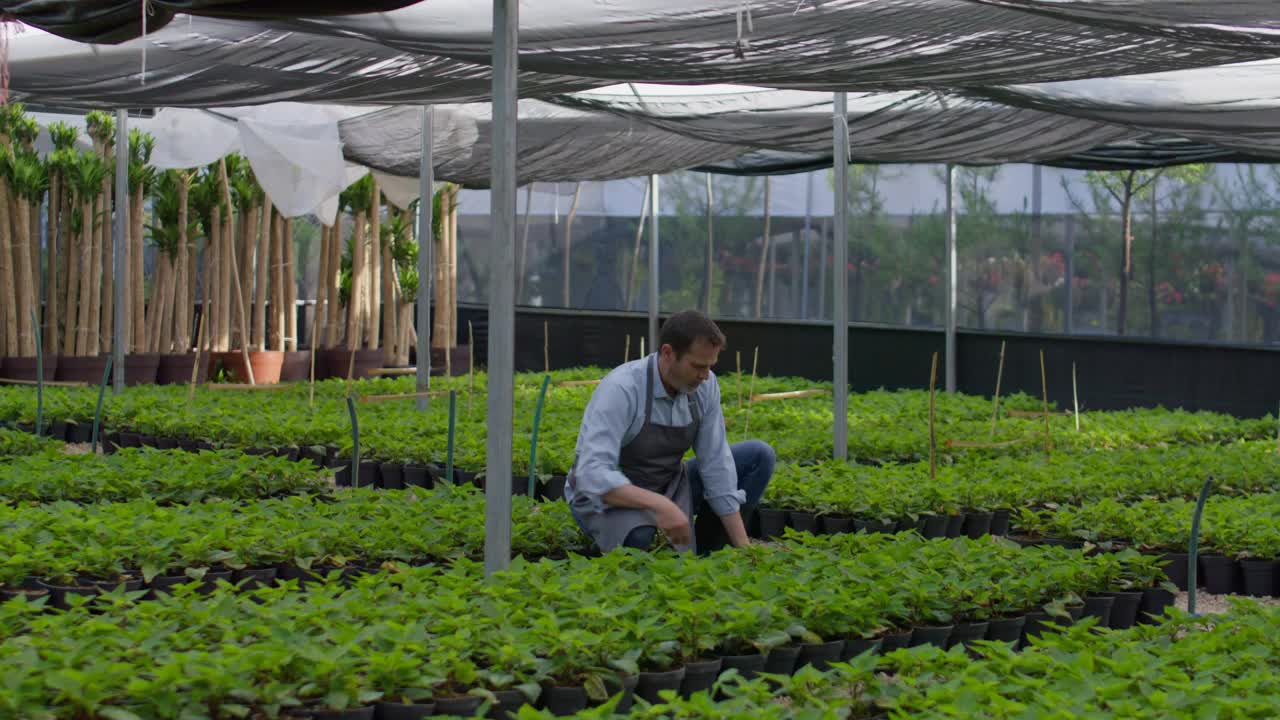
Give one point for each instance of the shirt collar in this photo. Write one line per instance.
(660, 390)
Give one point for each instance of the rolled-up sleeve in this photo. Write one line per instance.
(604, 426)
(715, 461)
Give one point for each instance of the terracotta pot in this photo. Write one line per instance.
(141, 368)
(266, 365)
(175, 369)
(24, 368)
(297, 367)
(73, 368)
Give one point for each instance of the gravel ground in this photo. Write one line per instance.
(76, 448)
(1216, 604)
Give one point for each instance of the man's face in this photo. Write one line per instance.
(688, 371)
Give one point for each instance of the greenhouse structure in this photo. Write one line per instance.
(708, 359)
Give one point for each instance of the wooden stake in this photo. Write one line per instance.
(1044, 390)
(235, 274)
(988, 445)
(933, 440)
(755, 360)
(246, 386)
(812, 392)
(577, 383)
(738, 356)
(642, 353)
(995, 411)
(626, 350)
(1075, 396)
(403, 396)
(195, 369)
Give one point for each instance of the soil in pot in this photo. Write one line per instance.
(296, 366)
(1154, 602)
(403, 711)
(772, 523)
(461, 706)
(175, 368)
(1221, 574)
(803, 521)
(835, 524)
(141, 368)
(895, 641)
(1175, 567)
(820, 655)
(651, 683)
(1259, 576)
(977, 524)
(748, 666)
(931, 635)
(968, 632)
(955, 525)
(391, 476)
(1000, 521)
(1008, 630)
(700, 675)
(853, 647)
(1124, 610)
(1099, 606)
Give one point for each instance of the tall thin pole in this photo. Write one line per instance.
(952, 278)
(804, 263)
(653, 262)
(426, 184)
(502, 309)
(840, 299)
(118, 248)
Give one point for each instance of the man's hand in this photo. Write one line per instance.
(670, 518)
(673, 522)
(736, 530)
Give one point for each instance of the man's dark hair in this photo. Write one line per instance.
(683, 328)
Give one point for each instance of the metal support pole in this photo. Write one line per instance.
(119, 286)
(502, 309)
(840, 286)
(426, 244)
(804, 263)
(952, 278)
(653, 263)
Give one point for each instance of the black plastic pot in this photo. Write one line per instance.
(955, 525)
(462, 706)
(782, 660)
(977, 524)
(1154, 602)
(853, 647)
(895, 641)
(1000, 521)
(30, 588)
(79, 432)
(967, 632)
(1124, 611)
(748, 666)
(1259, 576)
(402, 711)
(1221, 574)
(650, 684)
(130, 440)
(1175, 567)
(772, 523)
(931, 635)
(803, 521)
(58, 430)
(369, 472)
(110, 441)
(553, 489)
(149, 441)
(255, 577)
(506, 704)
(627, 687)
(881, 526)
(932, 526)
(563, 701)
(293, 572)
(130, 584)
(699, 676)
(820, 655)
(167, 443)
(1008, 630)
(1099, 606)
(417, 476)
(1037, 624)
(392, 476)
(60, 595)
(360, 713)
(342, 476)
(835, 524)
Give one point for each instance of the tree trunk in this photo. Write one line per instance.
(168, 299)
(1122, 308)
(764, 251)
(69, 250)
(107, 267)
(262, 270)
(373, 288)
(27, 289)
(390, 308)
(206, 294)
(440, 326)
(183, 304)
(290, 289)
(51, 306)
(137, 271)
(275, 340)
(8, 277)
(319, 328)
(333, 317)
(406, 333)
(633, 272)
(248, 246)
(86, 320)
(355, 303)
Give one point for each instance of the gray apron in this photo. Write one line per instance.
(653, 460)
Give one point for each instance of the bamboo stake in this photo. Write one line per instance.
(933, 439)
(394, 372)
(995, 411)
(1033, 413)
(195, 369)
(568, 241)
(1002, 444)
(48, 383)
(812, 392)
(290, 290)
(577, 383)
(262, 268)
(755, 359)
(626, 350)
(235, 279)
(1075, 396)
(403, 396)
(1044, 389)
(333, 307)
(245, 386)
(642, 353)
(738, 355)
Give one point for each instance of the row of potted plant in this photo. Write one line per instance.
(165, 477)
(18, 443)
(560, 633)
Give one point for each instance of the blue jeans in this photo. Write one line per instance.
(754, 461)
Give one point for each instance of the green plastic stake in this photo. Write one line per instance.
(1194, 549)
(39, 378)
(97, 413)
(355, 442)
(448, 458)
(533, 444)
